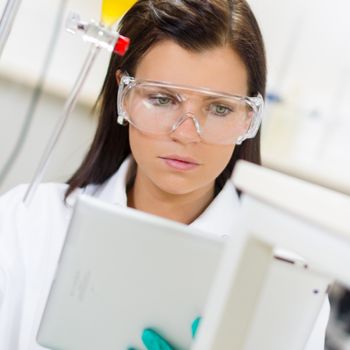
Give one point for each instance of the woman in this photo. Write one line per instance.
(167, 146)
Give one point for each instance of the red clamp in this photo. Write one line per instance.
(122, 45)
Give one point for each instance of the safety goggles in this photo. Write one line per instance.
(159, 108)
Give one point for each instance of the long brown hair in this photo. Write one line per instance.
(196, 25)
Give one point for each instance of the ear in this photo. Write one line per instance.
(118, 75)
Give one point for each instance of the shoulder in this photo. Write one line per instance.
(27, 231)
(45, 190)
(49, 198)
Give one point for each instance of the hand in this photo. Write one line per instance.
(153, 341)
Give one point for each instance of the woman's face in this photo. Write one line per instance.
(180, 163)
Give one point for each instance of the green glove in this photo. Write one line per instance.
(153, 341)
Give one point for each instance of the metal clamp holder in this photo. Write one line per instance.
(98, 34)
(100, 37)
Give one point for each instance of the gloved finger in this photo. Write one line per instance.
(195, 325)
(153, 341)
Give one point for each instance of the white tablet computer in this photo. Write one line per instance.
(121, 271)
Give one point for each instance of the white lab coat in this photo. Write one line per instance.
(31, 239)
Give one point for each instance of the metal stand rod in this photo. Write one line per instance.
(34, 100)
(6, 21)
(68, 108)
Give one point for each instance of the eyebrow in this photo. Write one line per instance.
(182, 90)
(219, 98)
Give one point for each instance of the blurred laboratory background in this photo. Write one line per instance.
(306, 125)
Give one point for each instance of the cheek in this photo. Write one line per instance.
(142, 147)
(217, 159)
(134, 140)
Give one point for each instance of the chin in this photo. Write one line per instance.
(178, 185)
(175, 186)
(176, 190)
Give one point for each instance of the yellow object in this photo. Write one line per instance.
(114, 9)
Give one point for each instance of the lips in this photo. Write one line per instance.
(180, 163)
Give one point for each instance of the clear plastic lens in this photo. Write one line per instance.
(159, 109)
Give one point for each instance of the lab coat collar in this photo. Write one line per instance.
(219, 217)
(222, 214)
(113, 190)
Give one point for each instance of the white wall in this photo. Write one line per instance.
(308, 50)
(25, 51)
(20, 67)
(307, 45)
(77, 135)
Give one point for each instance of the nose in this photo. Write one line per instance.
(187, 129)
